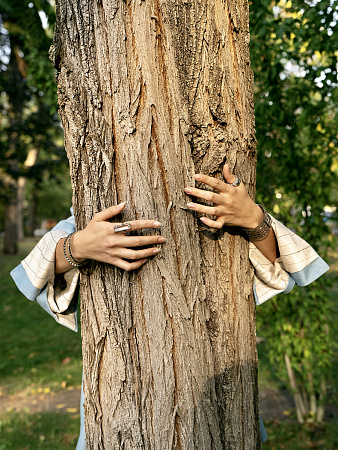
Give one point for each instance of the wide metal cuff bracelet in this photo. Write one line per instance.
(262, 230)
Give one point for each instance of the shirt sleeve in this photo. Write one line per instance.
(298, 263)
(35, 277)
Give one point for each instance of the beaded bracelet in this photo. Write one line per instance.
(262, 230)
(73, 262)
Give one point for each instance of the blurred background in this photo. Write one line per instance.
(294, 51)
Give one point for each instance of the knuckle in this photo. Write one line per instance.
(139, 242)
(218, 184)
(213, 197)
(110, 242)
(132, 255)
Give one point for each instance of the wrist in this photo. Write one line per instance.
(262, 230)
(77, 247)
(256, 217)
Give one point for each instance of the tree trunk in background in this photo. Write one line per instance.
(11, 229)
(32, 222)
(150, 93)
(20, 199)
(21, 190)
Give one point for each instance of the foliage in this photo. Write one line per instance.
(291, 436)
(23, 20)
(53, 186)
(294, 54)
(28, 95)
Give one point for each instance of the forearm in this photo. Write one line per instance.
(61, 263)
(268, 246)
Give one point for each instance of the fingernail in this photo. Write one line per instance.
(188, 190)
(190, 205)
(157, 224)
(121, 204)
(156, 250)
(198, 177)
(203, 219)
(161, 240)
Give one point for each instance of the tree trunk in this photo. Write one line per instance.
(150, 93)
(32, 222)
(11, 229)
(21, 191)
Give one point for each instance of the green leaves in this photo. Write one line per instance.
(294, 49)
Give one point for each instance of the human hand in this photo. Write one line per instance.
(99, 241)
(232, 206)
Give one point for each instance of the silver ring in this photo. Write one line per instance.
(123, 227)
(236, 183)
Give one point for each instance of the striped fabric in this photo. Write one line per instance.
(36, 279)
(298, 264)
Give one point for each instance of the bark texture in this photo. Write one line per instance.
(152, 92)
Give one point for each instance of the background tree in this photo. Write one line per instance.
(29, 123)
(294, 51)
(150, 93)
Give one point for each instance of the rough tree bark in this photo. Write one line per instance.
(152, 92)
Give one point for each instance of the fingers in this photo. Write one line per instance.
(210, 210)
(212, 223)
(125, 265)
(135, 255)
(112, 211)
(108, 213)
(140, 224)
(228, 176)
(204, 195)
(212, 182)
(218, 184)
(140, 241)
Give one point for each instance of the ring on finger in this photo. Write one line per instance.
(236, 183)
(122, 227)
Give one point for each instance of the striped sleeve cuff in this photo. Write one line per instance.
(298, 263)
(35, 278)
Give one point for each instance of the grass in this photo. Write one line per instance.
(46, 431)
(35, 352)
(38, 354)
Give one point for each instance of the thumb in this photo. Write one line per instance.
(110, 212)
(228, 176)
